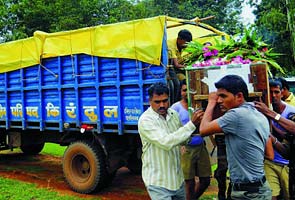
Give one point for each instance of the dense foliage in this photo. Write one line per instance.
(20, 18)
(275, 23)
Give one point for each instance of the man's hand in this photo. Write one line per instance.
(209, 125)
(212, 97)
(183, 150)
(197, 117)
(260, 106)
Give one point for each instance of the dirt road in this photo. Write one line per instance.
(46, 171)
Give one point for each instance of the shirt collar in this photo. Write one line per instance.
(290, 97)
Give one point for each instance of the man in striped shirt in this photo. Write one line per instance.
(161, 133)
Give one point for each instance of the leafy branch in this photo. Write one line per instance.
(237, 50)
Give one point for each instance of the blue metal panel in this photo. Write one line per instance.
(15, 110)
(97, 88)
(67, 70)
(40, 111)
(110, 93)
(107, 69)
(87, 108)
(51, 107)
(131, 104)
(2, 82)
(14, 80)
(32, 105)
(78, 116)
(31, 77)
(2, 107)
(22, 99)
(60, 105)
(129, 71)
(50, 73)
(118, 85)
(140, 85)
(6, 102)
(108, 105)
(85, 69)
(71, 107)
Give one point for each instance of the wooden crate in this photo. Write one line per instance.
(255, 75)
(201, 82)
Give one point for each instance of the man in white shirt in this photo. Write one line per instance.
(162, 133)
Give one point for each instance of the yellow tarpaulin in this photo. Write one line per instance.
(139, 39)
(19, 54)
(200, 31)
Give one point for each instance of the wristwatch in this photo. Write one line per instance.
(277, 117)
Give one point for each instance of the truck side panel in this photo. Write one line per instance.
(65, 92)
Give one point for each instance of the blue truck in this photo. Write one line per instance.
(80, 89)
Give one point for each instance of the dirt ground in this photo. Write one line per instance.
(46, 172)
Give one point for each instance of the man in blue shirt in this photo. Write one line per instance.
(246, 131)
(277, 170)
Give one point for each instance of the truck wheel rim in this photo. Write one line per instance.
(81, 167)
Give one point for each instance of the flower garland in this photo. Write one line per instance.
(245, 50)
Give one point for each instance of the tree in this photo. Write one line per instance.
(21, 18)
(272, 25)
(291, 23)
(226, 12)
(10, 28)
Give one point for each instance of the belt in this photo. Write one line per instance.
(249, 186)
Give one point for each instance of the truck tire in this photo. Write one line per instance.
(84, 167)
(134, 161)
(32, 149)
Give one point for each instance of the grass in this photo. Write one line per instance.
(17, 190)
(53, 149)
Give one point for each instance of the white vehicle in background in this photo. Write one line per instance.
(291, 82)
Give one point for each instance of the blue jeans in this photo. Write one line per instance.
(264, 193)
(160, 193)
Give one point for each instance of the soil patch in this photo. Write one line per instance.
(46, 172)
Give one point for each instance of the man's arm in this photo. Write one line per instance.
(277, 145)
(209, 126)
(160, 137)
(287, 124)
(177, 64)
(269, 153)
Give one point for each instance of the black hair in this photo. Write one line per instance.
(185, 35)
(233, 84)
(158, 88)
(207, 43)
(275, 83)
(284, 83)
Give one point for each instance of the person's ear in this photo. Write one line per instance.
(240, 95)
